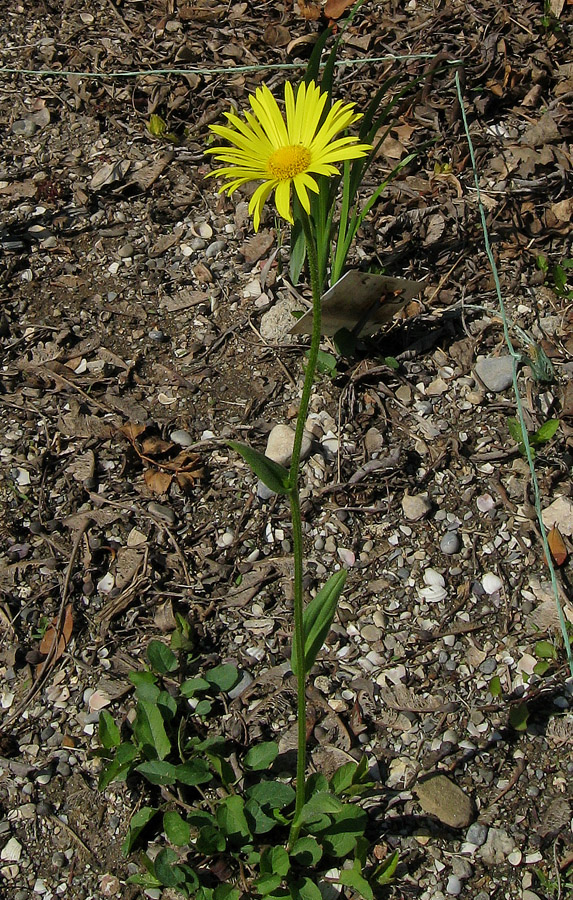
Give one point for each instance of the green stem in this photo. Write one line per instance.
(294, 500)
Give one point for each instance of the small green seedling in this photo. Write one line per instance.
(536, 439)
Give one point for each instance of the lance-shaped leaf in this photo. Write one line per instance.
(271, 473)
(317, 620)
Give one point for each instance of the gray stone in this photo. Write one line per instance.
(497, 847)
(495, 372)
(415, 506)
(462, 867)
(280, 444)
(442, 798)
(24, 127)
(162, 512)
(450, 543)
(181, 437)
(278, 320)
(454, 886)
(125, 251)
(477, 834)
(488, 666)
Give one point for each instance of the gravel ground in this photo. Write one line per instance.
(142, 324)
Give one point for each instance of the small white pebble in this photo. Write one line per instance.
(491, 583)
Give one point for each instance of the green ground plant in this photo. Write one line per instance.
(226, 812)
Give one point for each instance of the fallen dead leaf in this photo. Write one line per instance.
(557, 546)
(158, 482)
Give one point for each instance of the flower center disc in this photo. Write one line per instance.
(286, 162)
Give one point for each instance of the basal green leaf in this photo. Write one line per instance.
(210, 840)
(545, 650)
(161, 657)
(149, 730)
(157, 771)
(231, 819)
(518, 716)
(343, 777)
(495, 686)
(177, 830)
(193, 686)
(194, 771)
(306, 852)
(118, 768)
(169, 874)
(156, 125)
(317, 619)
(323, 802)
(272, 794)
(304, 889)
(268, 883)
(259, 822)
(223, 677)
(275, 860)
(140, 820)
(339, 839)
(108, 731)
(353, 878)
(261, 756)
(273, 475)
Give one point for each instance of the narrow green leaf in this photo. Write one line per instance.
(119, 767)
(177, 830)
(139, 821)
(161, 657)
(515, 430)
(386, 870)
(261, 756)
(156, 125)
(273, 475)
(108, 731)
(224, 677)
(545, 432)
(495, 686)
(157, 771)
(149, 729)
(317, 619)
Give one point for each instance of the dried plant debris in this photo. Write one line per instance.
(134, 345)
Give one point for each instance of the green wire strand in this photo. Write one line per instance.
(519, 406)
(220, 70)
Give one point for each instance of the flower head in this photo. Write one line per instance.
(280, 151)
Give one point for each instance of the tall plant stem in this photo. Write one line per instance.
(297, 527)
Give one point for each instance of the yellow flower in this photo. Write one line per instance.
(280, 152)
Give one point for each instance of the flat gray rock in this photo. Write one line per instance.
(440, 797)
(496, 372)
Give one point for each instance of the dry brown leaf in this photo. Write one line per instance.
(51, 635)
(132, 430)
(333, 9)
(276, 35)
(257, 246)
(158, 482)
(155, 446)
(186, 481)
(309, 10)
(557, 546)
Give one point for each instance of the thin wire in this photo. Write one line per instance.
(220, 70)
(519, 406)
